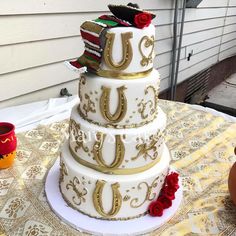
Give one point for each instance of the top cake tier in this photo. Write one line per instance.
(128, 52)
(119, 46)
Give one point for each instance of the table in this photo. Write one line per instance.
(201, 145)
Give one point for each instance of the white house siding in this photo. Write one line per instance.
(36, 36)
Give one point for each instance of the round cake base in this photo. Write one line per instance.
(94, 226)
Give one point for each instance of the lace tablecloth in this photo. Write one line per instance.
(202, 151)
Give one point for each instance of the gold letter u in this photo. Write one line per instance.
(105, 105)
(127, 51)
(119, 153)
(97, 199)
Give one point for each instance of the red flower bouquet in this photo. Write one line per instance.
(142, 20)
(167, 194)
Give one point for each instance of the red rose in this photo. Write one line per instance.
(169, 192)
(142, 20)
(165, 200)
(155, 208)
(172, 179)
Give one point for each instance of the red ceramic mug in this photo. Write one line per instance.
(8, 143)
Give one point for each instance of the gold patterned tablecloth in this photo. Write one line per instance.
(202, 151)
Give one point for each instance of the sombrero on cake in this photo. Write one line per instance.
(92, 34)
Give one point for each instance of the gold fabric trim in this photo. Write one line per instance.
(126, 171)
(115, 125)
(121, 75)
(96, 217)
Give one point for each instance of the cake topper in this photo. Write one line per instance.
(133, 14)
(92, 33)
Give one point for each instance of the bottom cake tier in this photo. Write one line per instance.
(110, 197)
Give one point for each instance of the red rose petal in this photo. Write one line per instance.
(156, 208)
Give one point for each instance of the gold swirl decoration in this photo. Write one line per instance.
(90, 106)
(82, 81)
(79, 194)
(149, 195)
(105, 105)
(144, 148)
(97, 199)
(63, 171)
(79, 136)
(126, 49)
(119, 153)
(147, 42)
(152, 103)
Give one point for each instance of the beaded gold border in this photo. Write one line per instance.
(117, 171)
(116, 126)
(96, 217)
(122, 75)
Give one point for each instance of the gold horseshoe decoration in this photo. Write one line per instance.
(127, 51)
(119, 153)
(105, 105)
(148, 42)
(97, 199)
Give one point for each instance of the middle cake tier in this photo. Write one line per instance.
(119, 103)
(117, 151)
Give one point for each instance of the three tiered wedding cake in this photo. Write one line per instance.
(115, 161)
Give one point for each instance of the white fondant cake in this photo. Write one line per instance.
(139, 97)
(115, 162)
(119, 151)
(114, 197)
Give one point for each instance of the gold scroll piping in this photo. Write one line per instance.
(116, 202)
(119, 153)
(144, 148)
(63, 171)
(150, 104)
(126, 49)
(147, 42)
(105, 105)
(79, 191)
(78, 135)
(148, 197)
(118, 171)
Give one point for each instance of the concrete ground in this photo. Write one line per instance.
(223, 96)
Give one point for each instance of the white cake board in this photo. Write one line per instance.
(94, 226)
